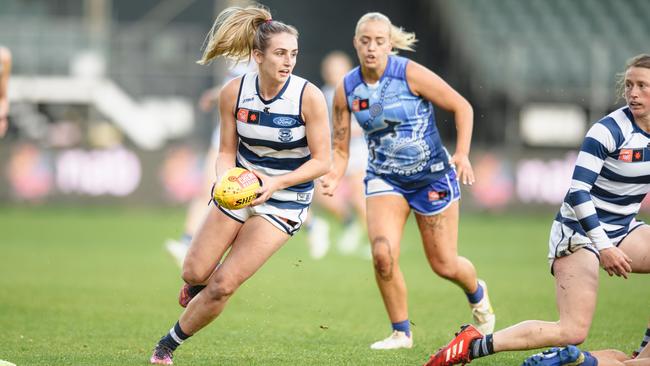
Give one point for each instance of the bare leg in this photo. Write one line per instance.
(576, 287)
(440, 239)
(387, 216)
(256, 242)
(610, 357)
(213, 238)
(637, 247)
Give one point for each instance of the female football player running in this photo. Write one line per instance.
(393, 100)
(274, 123)
(596, 225)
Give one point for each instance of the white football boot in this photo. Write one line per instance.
(396, 340)
(318, 235)
(177, 249)
(484, 318)
(349, 241)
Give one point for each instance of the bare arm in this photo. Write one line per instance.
(341, 141)
(428, 85)
(5, 60)
(228, 140)
(314, 110)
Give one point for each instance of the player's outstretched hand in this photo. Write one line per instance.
(328, 182)
(615, 262)
(463, 168)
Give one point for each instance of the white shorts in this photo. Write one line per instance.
(287, 220)
(565, 241)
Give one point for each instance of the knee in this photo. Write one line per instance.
(220, 289)
(382, 258)
(446, 270)
(574, 334)
(192, 275)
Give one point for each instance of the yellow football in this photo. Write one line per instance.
(236, 189)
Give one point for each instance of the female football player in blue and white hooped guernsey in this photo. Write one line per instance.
(273, 123)
(392, 99)
(595, 226)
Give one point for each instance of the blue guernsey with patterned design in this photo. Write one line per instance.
(272, 137)
(611, 178)
(403, 140)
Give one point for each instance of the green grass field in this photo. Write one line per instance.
(95, 287)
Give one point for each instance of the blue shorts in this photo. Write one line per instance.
(431, 199)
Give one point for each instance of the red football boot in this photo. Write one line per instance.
(184, 296)
(457, 351)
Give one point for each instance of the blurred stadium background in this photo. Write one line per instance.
(104, 92)
(106, 143)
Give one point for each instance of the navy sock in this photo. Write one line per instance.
(403, 326)
(589, 360)
(174, 338)
(194, 290)
(475, 297)
(645, 340)
(482, 347)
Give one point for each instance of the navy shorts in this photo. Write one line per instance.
(431, 199)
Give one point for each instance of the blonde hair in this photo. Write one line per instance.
(642, 60)
(399, 38)
(238, 31)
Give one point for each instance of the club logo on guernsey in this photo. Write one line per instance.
(285, 135)
(375, 110)
(284, 121)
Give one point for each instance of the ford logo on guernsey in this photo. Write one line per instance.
(284, 121)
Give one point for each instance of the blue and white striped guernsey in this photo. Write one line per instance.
(272, 136)
(611, 178)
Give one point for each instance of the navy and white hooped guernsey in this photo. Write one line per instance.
(272, 137)
(403, 141)
(611, 178)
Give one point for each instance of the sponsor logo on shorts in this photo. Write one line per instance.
(303, 197)
(437, 167)
(437, 196)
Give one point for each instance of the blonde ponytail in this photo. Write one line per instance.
(238, 31)
(399, 38)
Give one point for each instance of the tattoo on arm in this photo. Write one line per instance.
(341, 131)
